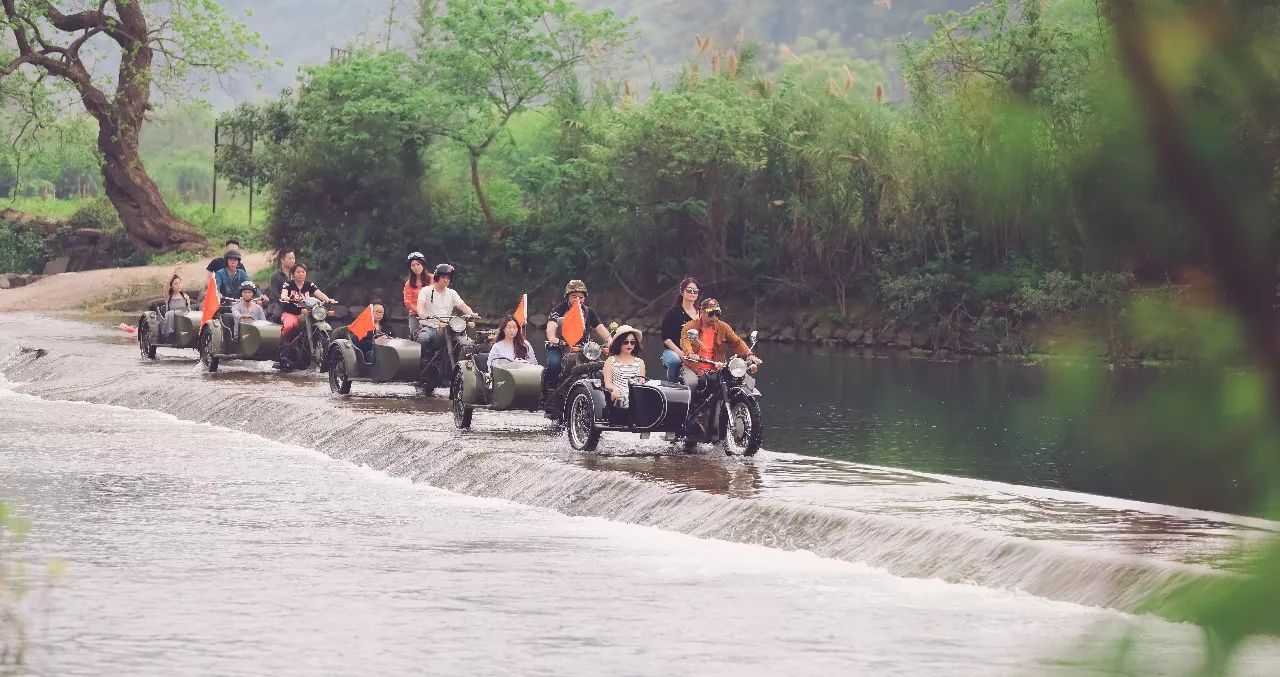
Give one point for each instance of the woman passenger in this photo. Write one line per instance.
(418, 278)
(176, 301)
(292, 296)
(684, 309)
(511, 345)
(623, 366)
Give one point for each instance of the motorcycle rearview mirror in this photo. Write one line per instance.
(755, 336)
(692, 334)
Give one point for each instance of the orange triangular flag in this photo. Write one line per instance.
(363, 324)
(574, 325)
(522, 310)
(209, 307)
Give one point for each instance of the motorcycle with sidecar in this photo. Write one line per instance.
(505, 386)
(395, 360)
(260, 341)
(724, 410)
(185, 334)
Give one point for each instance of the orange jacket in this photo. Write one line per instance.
(411, 297)
(725, 341)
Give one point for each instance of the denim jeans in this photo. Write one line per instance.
(551, 375)
(431, 339)
(671, 361)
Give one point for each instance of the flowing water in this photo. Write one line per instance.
(250, 523)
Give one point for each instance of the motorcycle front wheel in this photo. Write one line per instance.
(580, 422)
(319, 344)
(745, 432)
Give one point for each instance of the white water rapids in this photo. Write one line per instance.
(271, 528)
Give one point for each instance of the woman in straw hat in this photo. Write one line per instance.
(624, 365)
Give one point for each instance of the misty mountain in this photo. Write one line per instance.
(302, 32)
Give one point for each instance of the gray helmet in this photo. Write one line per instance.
(416, 256)
(575, 286)
(232, 254)
(250, 286)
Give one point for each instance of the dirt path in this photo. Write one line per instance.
(69, 291)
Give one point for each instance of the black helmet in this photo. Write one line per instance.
(416, 256)
(445, 270)
(250, 286)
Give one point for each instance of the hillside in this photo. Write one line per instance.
(857, 28)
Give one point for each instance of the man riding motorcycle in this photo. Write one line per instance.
(230, 277)
(715, 343)
(574, 292)
(435, 301)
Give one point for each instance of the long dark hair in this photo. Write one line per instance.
(679, 300)
(418, 280)
(522, 350)
(168, 290)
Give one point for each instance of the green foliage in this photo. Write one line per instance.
(345, 163)
(97, 214)
(13, 590)
(1059, 295)
(485, 61)
(21, 250)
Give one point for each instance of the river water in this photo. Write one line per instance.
(247, 523)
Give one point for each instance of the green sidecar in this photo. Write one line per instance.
(394, 361)
(505, 386)
(185, 334)
(259, 341)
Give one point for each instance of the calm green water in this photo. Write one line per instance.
(985, 419)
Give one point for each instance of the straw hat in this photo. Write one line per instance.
(616, 344)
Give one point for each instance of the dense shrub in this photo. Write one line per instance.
(21, 250)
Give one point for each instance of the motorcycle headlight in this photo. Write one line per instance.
(591, 351)
(738, 367)
(319, 313)
(458, 324)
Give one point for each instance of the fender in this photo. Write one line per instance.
(346, 351)
(215, 326)
(597, 392)
(322, 325)
(473, 384)
(744, 392)
(152, 318)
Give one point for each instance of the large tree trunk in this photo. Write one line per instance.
(148, 221)
(494, 228)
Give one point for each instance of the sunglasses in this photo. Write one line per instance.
(691, 291)
(628, 342)
(713, 313)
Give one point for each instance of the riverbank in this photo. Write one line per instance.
(119, 289)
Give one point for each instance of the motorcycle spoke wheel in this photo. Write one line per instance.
(580, 423)
(743, 433)
(207, 357)
(339, 382)
(461, 412)
(144, 341)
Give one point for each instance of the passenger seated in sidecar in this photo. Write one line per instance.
(380, 333)
(510, 346)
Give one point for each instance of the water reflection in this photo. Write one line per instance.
(715, 475)
(978, 418)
